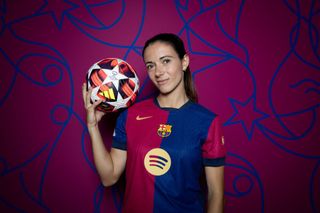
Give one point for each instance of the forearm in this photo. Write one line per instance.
(215, 203)
(102, 158)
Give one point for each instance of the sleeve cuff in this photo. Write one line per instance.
(119, 145)
(214, 162)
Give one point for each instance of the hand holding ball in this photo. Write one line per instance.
(113, 81)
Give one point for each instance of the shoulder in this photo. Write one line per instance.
(142, 104)
(201, 111)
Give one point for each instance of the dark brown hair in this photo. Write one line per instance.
(178, 46)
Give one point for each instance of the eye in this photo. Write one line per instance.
(149, 66)
(165, 61)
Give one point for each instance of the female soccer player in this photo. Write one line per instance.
(165, 143)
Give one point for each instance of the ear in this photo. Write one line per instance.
(185, 62)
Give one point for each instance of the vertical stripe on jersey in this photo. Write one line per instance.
(186, 161)
(143, 186)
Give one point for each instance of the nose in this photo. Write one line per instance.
(159, 71)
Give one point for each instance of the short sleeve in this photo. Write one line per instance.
(213, 148)
(119, 140)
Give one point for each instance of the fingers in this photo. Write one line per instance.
(88, 97)
(84, 93)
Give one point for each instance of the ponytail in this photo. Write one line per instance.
(189, 86)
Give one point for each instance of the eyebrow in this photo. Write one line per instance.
(166, 56)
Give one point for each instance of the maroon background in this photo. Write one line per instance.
(255, 63)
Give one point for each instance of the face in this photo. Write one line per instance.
(165, 68)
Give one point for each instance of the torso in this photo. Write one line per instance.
(158, 137)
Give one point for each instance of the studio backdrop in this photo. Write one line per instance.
(256, 63)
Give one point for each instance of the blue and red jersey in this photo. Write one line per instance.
(167, 149)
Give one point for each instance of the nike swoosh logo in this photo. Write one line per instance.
(139, 118)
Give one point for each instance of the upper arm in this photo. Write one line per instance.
(213, 153)
(119, 158)
(213, 148)
(118, 151)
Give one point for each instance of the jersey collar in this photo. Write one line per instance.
(172, 109)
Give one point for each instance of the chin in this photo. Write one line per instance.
(166, 92)
(163, 91)
(165, 88)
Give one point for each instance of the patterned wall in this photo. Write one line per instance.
(256, 63)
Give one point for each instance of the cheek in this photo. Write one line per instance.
(176, 70)
(177, 74)
(151, 76)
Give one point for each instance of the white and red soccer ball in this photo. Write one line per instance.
(115, 82)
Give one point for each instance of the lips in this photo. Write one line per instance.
(162, 82)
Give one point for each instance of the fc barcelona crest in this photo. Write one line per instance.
(164, 130)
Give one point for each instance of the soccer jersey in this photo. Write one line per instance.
(167, 149)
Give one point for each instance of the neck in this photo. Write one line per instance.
(171, 101)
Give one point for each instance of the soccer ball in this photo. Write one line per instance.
(115, 82)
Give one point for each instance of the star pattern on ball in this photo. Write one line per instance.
(113, 76)
(119, 104)
(110, 80)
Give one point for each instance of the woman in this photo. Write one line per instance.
(164, 143)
